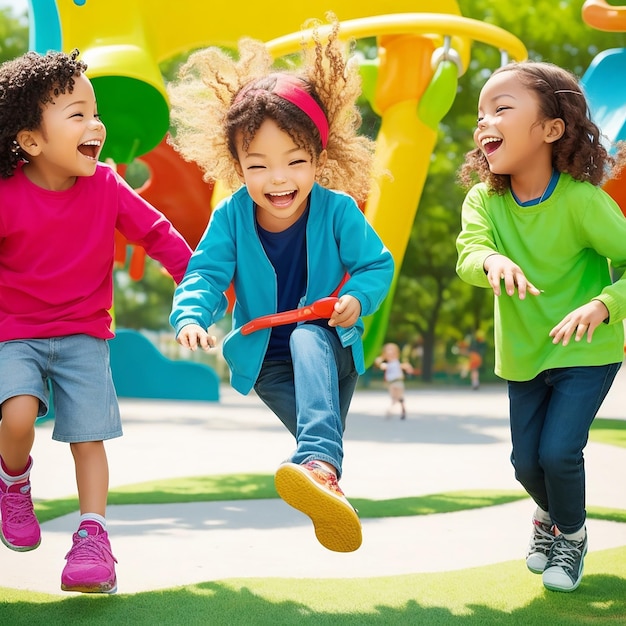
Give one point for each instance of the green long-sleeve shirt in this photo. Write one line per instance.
(562, 245)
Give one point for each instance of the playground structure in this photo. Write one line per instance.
(606, 95)
(411, 84)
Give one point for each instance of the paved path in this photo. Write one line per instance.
(453, 440)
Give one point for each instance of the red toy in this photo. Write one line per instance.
(320, 309)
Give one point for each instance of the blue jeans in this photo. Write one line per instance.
(79, 371)
(311, 393)
(550, 420)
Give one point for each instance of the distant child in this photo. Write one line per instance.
(475, 356)
(538, 224)
(394, 372)
(59, 212)
(286, 238)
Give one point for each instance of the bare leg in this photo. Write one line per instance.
(17, 431)
(92, 476)
(475, 379)
(20, 529)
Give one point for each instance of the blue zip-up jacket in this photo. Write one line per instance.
(339, 241)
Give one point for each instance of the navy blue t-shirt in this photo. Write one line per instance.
(286, 251)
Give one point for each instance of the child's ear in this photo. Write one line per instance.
(554, 129)
(28, 142)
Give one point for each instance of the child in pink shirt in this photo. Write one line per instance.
(59, 212)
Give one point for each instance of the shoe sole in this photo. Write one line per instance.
(569, 589)
(536, 569)
(99, 588)
(337, 526)
(550, 587)
(18, 548)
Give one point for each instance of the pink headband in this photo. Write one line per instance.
(289, 88)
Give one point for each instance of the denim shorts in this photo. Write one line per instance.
(77, 370)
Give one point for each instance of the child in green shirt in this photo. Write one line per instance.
(539, 224)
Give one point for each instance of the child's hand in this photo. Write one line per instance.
(499, 268)
(408, 368)
(193, 335)
(584, 319)
(346, 313)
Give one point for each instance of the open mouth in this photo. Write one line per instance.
(281, 199)
(90, 149)
(491, 144)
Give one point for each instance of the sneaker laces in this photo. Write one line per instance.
(543, 537)
(17, 508)
(565, 553)
(86, 549)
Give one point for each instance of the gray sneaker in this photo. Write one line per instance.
(539, 546)
(564, 569)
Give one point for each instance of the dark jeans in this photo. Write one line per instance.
(311, 393)
(550, 420)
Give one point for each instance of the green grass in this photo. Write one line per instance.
(261, 486)
(609, 431)
(256, 486)
(504, 593)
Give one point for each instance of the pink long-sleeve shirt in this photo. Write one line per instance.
(57, 252)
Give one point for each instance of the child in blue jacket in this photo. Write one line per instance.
(285, 240)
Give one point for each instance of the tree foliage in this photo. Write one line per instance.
(431, 301)
(431, 304)
(13, 35)
(143, 304)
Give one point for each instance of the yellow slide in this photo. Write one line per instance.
(411, 84)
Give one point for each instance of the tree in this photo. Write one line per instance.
(13, 35)
(144, 304)
(430, 300)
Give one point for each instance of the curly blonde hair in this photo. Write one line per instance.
(208, 117)
(579, 152)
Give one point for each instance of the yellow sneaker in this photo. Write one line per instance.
(314, 491)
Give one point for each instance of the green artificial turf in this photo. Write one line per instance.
(260, 486)
(222, 488)
(504, 593)
(609, 431)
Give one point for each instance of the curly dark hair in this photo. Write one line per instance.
(27, 83)
(247, 114)
(579, 152)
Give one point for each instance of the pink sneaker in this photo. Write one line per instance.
(312, 489)
(19, 529)
(90, 566)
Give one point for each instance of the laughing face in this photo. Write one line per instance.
(512, 133)
(69, 140)
(278, 174)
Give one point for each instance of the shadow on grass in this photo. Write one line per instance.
(238, 487)
(600, 598)
(231, 487)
